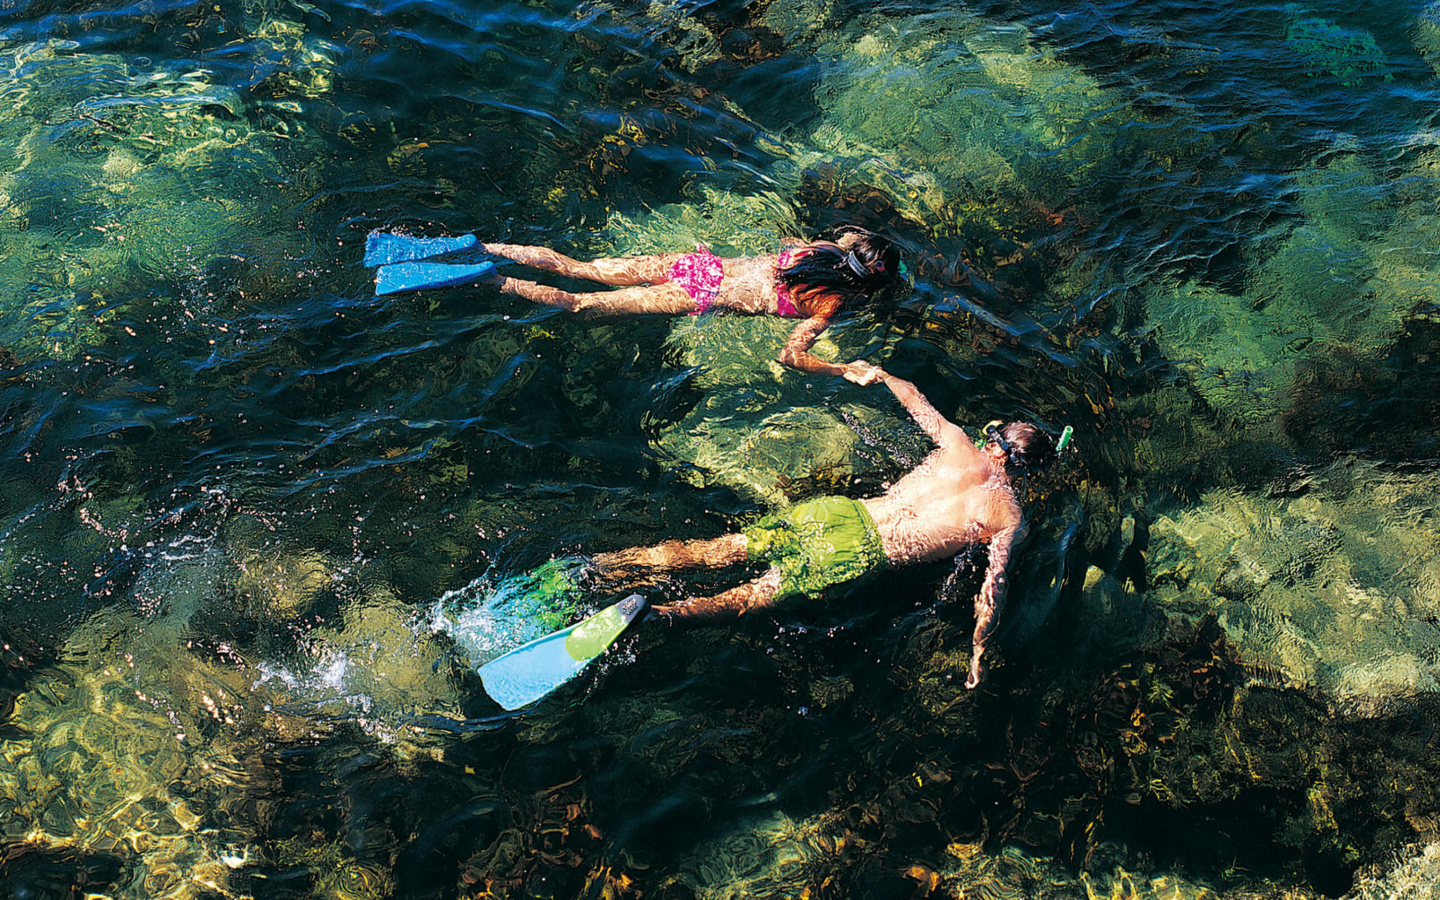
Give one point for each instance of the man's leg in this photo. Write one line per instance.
(726, 550)
(735, 602)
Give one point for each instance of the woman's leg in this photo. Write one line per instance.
(659, 299)
(620, 272)
(735, 602)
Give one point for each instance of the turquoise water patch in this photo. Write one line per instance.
(1350, 55)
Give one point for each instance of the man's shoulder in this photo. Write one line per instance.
(958, 462)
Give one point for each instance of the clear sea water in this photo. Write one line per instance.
(252, 515)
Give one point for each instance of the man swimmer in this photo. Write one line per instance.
(959, 495)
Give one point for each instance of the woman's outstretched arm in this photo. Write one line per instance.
(796, 352)
(797, 355)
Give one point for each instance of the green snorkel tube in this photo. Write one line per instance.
(1064, 441)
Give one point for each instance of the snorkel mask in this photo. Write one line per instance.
(863, 271)
(855, 264)
(992, 433)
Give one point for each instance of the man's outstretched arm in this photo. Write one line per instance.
(991, 599)
(940, 429)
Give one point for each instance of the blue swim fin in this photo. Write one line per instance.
(382, 247)
(412, 276)
(530, 672)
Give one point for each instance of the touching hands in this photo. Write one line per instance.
(862, 372)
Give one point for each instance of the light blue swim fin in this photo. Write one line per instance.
(382, 247)
(412, 276)
(530, 672)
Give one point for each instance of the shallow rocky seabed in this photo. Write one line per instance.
(244, 499)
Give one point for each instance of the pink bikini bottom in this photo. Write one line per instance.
(700, 274)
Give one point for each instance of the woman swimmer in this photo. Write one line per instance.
(812, 281)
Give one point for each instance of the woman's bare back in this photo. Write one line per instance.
(749, 285)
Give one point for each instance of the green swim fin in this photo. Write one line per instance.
(530, 672)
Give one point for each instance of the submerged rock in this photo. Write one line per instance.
(729, 223)
(981, 105)
(745, 432)
(1346, 277)
(1427, 35)
(1350, 55)
(290, 61)
(1336, 588)
(773, 434)
(125, 180)
(148, 739)
(375, 665)
(1413, 877)
(135, 748)
(287, 585)
(776, 855)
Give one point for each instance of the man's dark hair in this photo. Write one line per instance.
(1030, 448)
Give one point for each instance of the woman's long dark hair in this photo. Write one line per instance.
(858, 272)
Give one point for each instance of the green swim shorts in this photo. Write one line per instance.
(816, 544)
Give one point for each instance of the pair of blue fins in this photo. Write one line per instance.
(395, 256)
(533, 670)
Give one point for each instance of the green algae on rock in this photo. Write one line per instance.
(1427, 35)
(1346, 275)
(1350, 55)
(123, 178)
(1324, 582)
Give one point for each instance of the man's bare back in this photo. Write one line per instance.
(958, 496)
